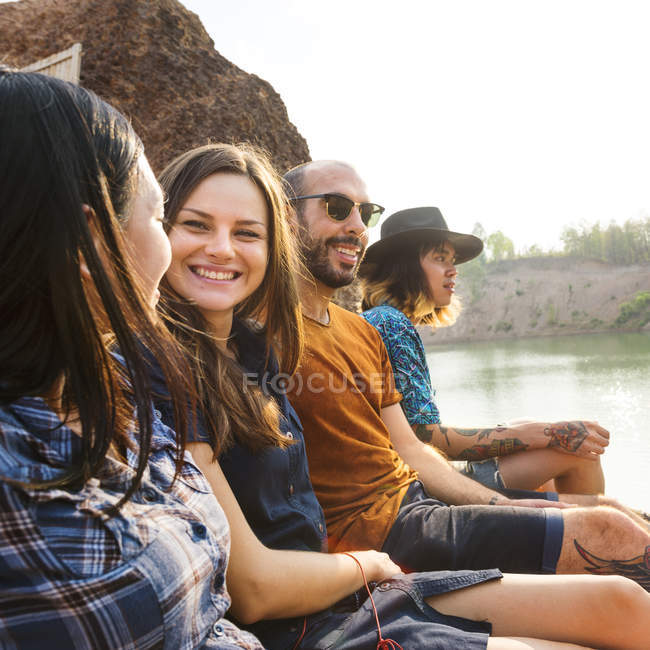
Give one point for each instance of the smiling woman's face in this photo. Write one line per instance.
(220, 244)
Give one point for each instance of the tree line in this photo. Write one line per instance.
(618, 244)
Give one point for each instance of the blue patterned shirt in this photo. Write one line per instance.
(409, 362)
(152, 576)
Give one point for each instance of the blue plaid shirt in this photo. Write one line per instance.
(150, 577)
(409, 362)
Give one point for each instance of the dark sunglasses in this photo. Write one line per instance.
(339, 208)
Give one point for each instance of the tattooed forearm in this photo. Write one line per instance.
(495, 448)
(444, 431)
(636, 568)
(424, 432)
(567, 436)
(480, 433)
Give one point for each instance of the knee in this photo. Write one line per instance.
(587, 466)
(626, 596)
(603, 521)
(603, 500)
(606, 517)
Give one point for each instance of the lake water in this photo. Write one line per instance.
(603, 377)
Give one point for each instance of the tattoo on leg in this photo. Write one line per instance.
(495, 448)
(567, 436)
(636, 568)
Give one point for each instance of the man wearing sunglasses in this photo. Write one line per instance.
(379, 484)
(333, 248)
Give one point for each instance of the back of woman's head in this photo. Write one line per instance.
(232, 410)
(401, 282)
(61, 148)
(68, 164)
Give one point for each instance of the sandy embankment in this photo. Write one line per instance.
(545, 297)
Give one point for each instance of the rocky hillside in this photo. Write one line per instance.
(549, 296)
(154, 61)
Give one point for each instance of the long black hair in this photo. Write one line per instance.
(63, 147)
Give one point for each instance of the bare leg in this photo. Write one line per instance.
(600, 612)
(527, 470)
(549, 486)
(519, 643)
(604, 541)
(579, 481)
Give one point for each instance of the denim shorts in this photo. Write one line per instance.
(429, 535)
(485, 472)
(404, 617)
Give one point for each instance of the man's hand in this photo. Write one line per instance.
(531, 503)
(583, 438)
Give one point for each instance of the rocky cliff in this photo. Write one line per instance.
(154, 61)
(546, 297)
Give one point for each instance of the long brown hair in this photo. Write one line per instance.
(400, 282)
(232, 410)
(63, 147)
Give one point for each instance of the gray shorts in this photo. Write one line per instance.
(429, 535)
(485, 472)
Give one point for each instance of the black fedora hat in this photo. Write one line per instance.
(406, 228)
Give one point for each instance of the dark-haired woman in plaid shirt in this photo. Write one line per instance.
(99, 546)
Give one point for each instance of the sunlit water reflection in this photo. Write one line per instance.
(604, 377)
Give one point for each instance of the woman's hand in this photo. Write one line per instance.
(376, 566)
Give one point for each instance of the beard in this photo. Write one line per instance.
(315, 253)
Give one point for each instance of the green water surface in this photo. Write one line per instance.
(604, 377)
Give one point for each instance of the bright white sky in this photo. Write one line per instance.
(523, 115)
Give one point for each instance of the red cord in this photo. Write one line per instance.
(302, 634)
(382, 644)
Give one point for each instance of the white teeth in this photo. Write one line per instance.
(346, 251)
(214, 275)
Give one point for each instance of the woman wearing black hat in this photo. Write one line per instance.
(408, 279)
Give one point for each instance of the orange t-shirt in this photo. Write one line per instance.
(344, 381)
